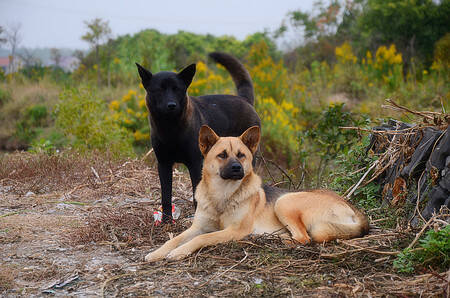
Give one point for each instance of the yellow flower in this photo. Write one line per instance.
(126, 98)
(344, 53)
(425, 72)
(141, 103)
(139, 136)
(116, 60)
(114, 105)
(398, 59)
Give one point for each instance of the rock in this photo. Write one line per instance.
(421, 153)
(438, 159)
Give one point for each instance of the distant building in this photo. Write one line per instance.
(4, 64)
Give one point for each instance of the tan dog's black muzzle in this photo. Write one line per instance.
(232, 170)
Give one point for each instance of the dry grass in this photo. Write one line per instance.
(114, 226)
(24, 95)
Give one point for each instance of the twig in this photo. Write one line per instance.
(96, 174)
(399, 107)
(422, 231)
(370, 249)
(267, 168)
(282, 171)
(147, 154)
(361, 180)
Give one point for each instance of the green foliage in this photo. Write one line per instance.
(325, 138)
(31, 123)
(84, 120)
(5, 96)
(158, 52)
(407, 23)
(414, 26)
(349, 169)
(433, 251)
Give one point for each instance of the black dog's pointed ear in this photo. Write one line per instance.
(251, 137)
(146, 75)
(206, 139)
(187, 74)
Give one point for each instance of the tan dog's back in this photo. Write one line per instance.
(321, 215)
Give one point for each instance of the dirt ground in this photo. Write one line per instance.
(76, 226)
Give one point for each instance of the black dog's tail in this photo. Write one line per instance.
(240, 75)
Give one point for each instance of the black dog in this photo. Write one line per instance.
(176, 118)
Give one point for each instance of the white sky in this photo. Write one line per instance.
(59, 23)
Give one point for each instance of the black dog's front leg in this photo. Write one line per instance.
(195, 171)
(165, 178)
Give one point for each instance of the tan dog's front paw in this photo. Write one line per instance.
(154, 256)
(177, 254)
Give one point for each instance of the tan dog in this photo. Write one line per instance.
(233, 204)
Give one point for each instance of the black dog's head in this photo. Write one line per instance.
(166, 91)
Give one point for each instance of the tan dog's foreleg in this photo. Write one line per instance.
(173, 243)
(203, 240)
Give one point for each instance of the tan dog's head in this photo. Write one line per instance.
(228, 157)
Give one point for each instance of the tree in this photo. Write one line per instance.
(56, 56)
(13, 38)
(414, 26)
(98, 32)
(2, 38)
(28, 57)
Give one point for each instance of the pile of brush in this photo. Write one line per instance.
(414, 161)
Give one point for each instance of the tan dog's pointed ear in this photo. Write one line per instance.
(251, 137)
(206, 139)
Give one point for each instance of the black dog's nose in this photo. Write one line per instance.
(171, 105)
(236, 167)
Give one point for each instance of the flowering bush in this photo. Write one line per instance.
(280, 127)
(130, 112)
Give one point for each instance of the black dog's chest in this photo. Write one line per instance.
(176, 148)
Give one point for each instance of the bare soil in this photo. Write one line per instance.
(80, 226)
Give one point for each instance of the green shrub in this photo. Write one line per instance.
(84, 120)
(31, 123)
(434, 251)
(348, 172)
(5, 96)
(324, 138)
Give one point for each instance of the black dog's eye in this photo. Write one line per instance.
(223, 155)
(240, 155)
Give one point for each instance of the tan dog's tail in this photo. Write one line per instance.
(358, 226)
(240, 75)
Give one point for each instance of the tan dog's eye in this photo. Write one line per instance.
(223, 155)
(240, 155)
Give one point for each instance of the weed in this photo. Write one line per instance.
(434, 252)
(350, 167)
(5, 96)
